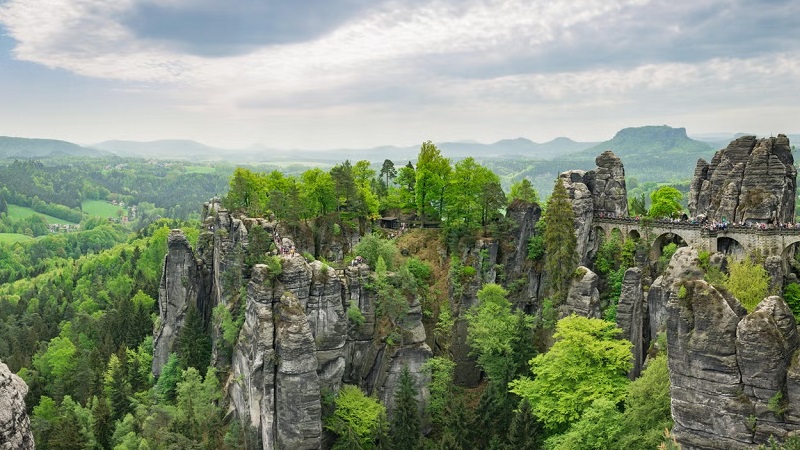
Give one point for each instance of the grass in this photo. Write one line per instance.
(11, 238)
(101, 208)
(21, 212)
(200, 169)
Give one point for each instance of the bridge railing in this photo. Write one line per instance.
(791, 230)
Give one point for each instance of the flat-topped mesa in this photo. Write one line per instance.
(751, 180)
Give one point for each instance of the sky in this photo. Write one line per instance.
(325, 74)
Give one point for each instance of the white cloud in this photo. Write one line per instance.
(455, 58)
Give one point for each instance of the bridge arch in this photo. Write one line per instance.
(664, 239)
(634, 235)
(730, 247)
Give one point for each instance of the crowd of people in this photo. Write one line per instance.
(716, 225)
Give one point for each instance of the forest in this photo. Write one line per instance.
(77, 311)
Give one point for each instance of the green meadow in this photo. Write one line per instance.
(21, 212)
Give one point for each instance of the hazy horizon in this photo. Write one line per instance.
(359, 74)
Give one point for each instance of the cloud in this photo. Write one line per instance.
(285, 57)
(212, 28)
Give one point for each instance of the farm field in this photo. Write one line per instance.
(101, 208)
(11, 238)
(21, 212)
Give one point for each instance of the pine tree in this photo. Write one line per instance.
(524, 430)
(559, 242)
(102, 426)
(117, 389)
(169, 378)
(405, 420)
(194, 345)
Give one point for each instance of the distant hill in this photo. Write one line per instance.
(164, 149)
(651, 153)
(24, 148)
(191, 150)
(521, 147)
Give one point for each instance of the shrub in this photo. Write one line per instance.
(354, 314)
(371, 247)
(792, 296)
(421, 270)
(748, 282)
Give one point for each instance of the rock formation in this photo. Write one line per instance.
(15, 427)
(733, 375)
(598, 191)
(180, 283)
(583, 297)
(296, 341)
(607, 184)
(684, 265)
(631, 312)
(751, 180)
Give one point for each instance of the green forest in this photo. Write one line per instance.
(78, 309)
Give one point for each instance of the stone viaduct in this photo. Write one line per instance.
(735, 240)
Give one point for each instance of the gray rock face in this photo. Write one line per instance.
(524, 217)
(583, 208)
(15, 427)
(180, 282)
(296, 343)
(583, 297)
(751, 180)
(598, 191)
(777, 274)
(297, 388)
(726, 367)
(607, 184)
(631, 317)
(684, 265)
(274, 369)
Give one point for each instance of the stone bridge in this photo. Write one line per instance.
(736, 240)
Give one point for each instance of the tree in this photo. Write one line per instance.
(598, 429)
(371, 247)
(168, 380)
(243, 193)
(357, 418)
(665, 202)
(405, 431)
(493, 331)
(407, 180)
(318, 190)
(523, 190)
(344, 183)
(194, 345)
(748, 282)
(647, 407)
(636, 205)
(441, 388)
(433, 171)
(388, 172)
(102, 425)
(197, 413)
(116, 386)
(560, 242)
(587, 362)
(524, 431)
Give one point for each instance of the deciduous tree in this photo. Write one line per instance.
(587, 362)
(560, 242)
